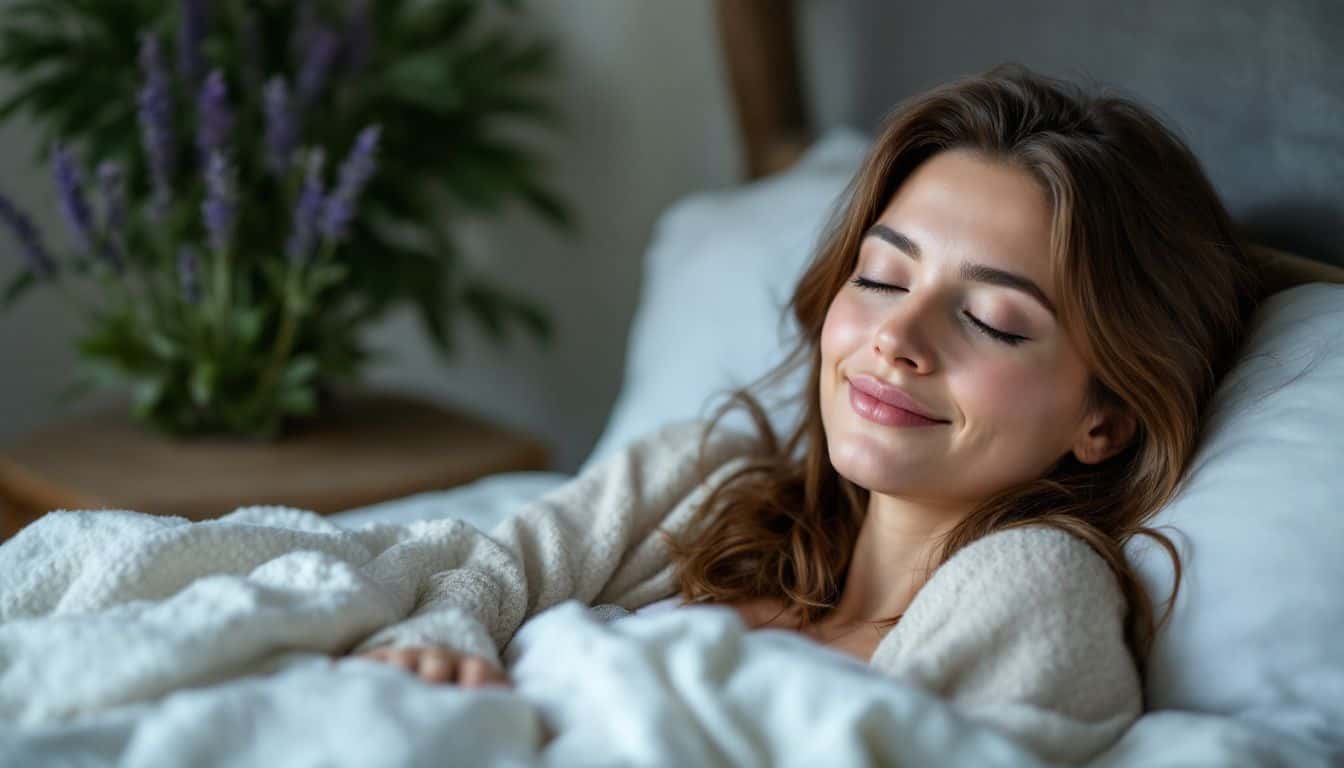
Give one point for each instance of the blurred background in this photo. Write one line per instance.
(641, 90)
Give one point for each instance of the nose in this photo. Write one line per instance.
(902, 337)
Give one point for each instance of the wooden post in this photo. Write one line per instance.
(758, 43)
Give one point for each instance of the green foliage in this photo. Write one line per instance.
(267, 339)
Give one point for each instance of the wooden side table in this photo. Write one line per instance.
(373, 447)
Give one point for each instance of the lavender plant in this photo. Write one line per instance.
(228, 267)
(190, 355)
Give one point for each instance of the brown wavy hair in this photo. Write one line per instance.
(1155, 289)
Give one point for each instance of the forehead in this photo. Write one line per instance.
(962, 206)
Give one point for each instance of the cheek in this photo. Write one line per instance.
(1015, 393)
(844, 331)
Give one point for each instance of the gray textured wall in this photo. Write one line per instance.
(1256, 87)
(649, 121)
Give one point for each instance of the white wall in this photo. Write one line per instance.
(649, 117)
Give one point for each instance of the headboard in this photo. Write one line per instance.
(1255, 88)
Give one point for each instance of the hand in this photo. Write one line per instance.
(442, 665)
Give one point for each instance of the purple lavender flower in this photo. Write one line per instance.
(220, 208)
(358, 37)
(75, 206)
(193, 28)
(30, 240)
(189, 274)
(112, 187)
(215, 116)
(155, 104)
(319, 56)
(358, 168)
(307, 211)
(282, 130)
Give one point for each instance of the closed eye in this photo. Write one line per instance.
(871, 285)
(1006, 338)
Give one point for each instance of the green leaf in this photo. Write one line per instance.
(247, 325)
(482, 302)
(534, 318)
(423, 79)
(432, 22)
(116, 343)
(518, 105)
(203, 378)
(146, 394)
(301, 401)
(324, 276)
(104, 374)
(162, 346)
(17, 287)
(494, 307)
(426, 284)
(550, 206)
(299, 372)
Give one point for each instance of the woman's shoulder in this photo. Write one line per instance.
(1020, 570)
(1028, 552)
(1028, 612)
(1023, 629)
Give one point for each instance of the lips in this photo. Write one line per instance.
(891, 395)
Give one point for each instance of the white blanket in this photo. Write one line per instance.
(172, 657)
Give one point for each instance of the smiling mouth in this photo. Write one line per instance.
(886, 414)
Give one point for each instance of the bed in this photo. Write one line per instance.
(1249, 672)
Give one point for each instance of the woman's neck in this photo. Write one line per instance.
(896, 550)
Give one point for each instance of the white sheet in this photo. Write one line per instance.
(684, 687)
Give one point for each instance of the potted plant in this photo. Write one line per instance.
(271, 177)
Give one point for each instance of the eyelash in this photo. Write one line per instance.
(1000, 336)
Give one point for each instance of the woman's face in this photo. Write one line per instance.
(1007, 411)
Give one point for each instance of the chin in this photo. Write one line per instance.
(862, 461)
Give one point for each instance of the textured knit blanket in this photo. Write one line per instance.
(217, 642)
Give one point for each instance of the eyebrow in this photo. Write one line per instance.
(980, 273)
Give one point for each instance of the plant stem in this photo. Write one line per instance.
(222, 288)
(167, 255)
(226, 281)
(284, 341)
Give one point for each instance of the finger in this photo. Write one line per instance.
(406, 658)
(474, 672)
(497, 676)
(436, 667)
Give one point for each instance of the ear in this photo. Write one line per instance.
(1105, 432)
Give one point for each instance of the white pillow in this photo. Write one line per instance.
(719, 270)
(1258, 626)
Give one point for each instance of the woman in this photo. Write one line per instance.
(1011, 328)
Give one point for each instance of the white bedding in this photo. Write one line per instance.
(681, 688)
(684, 687)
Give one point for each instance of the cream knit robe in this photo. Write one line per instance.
(1021, 630)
